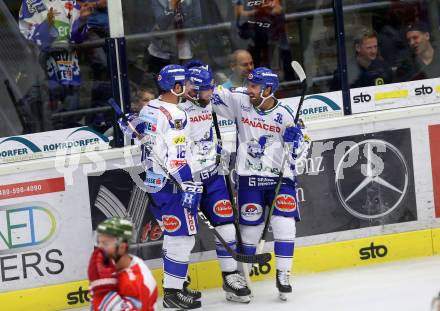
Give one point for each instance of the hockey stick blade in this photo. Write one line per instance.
(302, 77)
(260, 259)
(298, 70)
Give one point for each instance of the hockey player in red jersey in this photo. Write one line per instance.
(118, 280)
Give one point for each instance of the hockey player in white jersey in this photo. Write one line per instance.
(165, 129)
(264, 126)
(215, 201)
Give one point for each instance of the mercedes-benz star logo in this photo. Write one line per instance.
(368, 190)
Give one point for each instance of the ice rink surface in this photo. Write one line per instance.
(400, 286)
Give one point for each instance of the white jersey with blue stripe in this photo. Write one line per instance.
(167, 132)
(203, 142)
(260, 143)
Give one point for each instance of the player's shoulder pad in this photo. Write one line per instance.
(152, 112)
(216, 98)
(186, 106)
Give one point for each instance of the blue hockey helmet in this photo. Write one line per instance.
(170, 75)
(193, 63)
(200, 78)
(265, 77)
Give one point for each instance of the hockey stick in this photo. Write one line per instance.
(302, 77)
(260, 258)
(228, 181)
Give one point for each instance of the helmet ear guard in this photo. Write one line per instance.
(178, 94)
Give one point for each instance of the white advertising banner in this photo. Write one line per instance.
(318, 106)
(395, 95)
(48, 144)
(45, 230)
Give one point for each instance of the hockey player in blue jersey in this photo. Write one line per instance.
(166, 129)
(215, 201)
(265, 125)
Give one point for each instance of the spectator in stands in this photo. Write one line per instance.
(52, 26)
(264, 23)
(241, 64)
(142, 98)
(98, 28)
(370, 68)
(425, 61)
(172, 14)
(366, 68)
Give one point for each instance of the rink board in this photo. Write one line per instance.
(205, 275)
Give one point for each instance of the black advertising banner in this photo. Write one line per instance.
(346, 183)
(356, 182)
(115, 194)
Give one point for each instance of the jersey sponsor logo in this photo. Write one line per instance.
(153, 180)
(177, 163)
(190, 222)
(251, 211)
(223, 208)
(150, 122)
(261, 181)
(285, 203)
(171, 223)
(166, 113)
(246, 108)
(202, 117)
(261, 125)
(151, 127)
(179, 140)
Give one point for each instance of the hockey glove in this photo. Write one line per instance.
(191, 195)
(293, 136)
(102, 273)
(137, 122)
